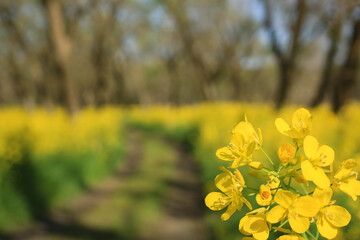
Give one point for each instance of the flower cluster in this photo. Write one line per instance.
(286, 206)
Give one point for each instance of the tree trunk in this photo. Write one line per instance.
(61, 49)
(286, 72)
(286, 60)
(328, 69)
(100, 64)
(347, 75)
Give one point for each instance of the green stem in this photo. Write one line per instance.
(280, 168)
(289, 182)
(311, 235)
(268, 171)
(317, 235)
(283, 184)
(295, 190)
(267, 156)
(282, 224)
(297, 149)
(304, 236)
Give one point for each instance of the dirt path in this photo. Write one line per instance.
(156, 194)
(182, 218)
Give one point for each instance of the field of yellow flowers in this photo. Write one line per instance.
(41, 151)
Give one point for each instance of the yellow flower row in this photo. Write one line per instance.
(53, 131)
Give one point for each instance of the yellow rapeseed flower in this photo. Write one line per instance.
(297, 209)
(231, 196)
(254, 223)
(301, 125)
(346, 179)
(264, 197)
(273, 183)
(286, 153)
(318, 157)
(244, 141)
(330, 216)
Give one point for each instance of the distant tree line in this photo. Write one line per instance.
(96, 52)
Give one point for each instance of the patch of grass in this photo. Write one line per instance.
(34, 184)
(136, 206)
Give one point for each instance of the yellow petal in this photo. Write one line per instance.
(342, 173)
(257, 226)
(238, 163)
(242, 223)
(225, 154)
(213, 199)
(323, 196)
(320, 179)
(285, 198)
(346, 168)
(244, 128)
(224, 182)
(255, 165)
(254, 224)
(281, 125)
(239, 176)
(349, 163)
(311, 146)
(300, 179)
(299, 224)
(276, 214)
(262, 235)
(273, 183)
(307, 169)
(263, 230)
(293, 134)
(307, 206)
(315, 174)
(263, 202)
(327, 154)
(337, 216)
(250, 148)
(351, 188)
(229, 212)
(258, 211)
(290, 237)
(302, 116)
(279, 229)
(247, 203)
(325, 228)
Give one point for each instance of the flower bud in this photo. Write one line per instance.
(286, 153)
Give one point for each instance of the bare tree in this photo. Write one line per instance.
(347, 75)
(16, 41)
(101, 50)
(207, 73)
(286, 59)
(334, 34)
(61, 47)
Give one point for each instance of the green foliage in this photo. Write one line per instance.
(33, 184)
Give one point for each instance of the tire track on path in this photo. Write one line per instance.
(183, 203)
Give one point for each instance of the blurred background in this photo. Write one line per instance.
(112, 110)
